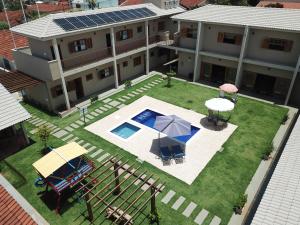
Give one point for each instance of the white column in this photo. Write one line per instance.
(292, 82)
(178, 26)
(113, 45)
(197, 51)
(61, 73)
(239, 71)
(147, 46)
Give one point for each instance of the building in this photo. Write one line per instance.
(79, 60)
(280, 203)
(256, 48)
(12, 132)
(85, 5)
(290, 4)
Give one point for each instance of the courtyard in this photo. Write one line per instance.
(209, 196)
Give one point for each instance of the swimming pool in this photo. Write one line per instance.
(125, 130)
(148, 117)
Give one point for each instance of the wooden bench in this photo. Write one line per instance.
(110, 214)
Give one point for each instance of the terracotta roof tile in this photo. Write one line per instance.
(6, 43)
(47, 7)
(288, 5)
(15, 17)
(11, 211)
(190, 4)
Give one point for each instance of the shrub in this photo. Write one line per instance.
(3, 25)
(128, 84)
(240, 203)
(94, 99)
(284, 119)
(44, 134)
(269, 149)
(168, 77)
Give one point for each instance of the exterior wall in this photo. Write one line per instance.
(268, 71)
(135, 37)
(155, 59)
(38, 96)
(40, 49)
(186, 64)
(254, 50)
(131, 71)
(211, 44)
(90, 87)
(220, 62)
(186, 42)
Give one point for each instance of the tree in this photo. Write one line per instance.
(253, 2)
(228, 2)
(3, 25)
(44, 134)
(11, 5)
(169, 77)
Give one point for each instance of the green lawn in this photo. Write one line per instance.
(215, 189)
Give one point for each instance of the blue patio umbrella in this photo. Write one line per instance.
(172, 126)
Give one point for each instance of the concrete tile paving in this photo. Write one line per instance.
(104, 156)
(96, 153)
(67, 137)
(189, 209)
(114, 103)
(168, 197)
(201, 217)
(107, 100)
(178, 203)
(215, 221)
(60, 133)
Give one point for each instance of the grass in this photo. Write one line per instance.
(218, 186)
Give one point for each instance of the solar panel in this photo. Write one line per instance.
(80, 22)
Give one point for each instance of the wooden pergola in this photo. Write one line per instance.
(106, 187)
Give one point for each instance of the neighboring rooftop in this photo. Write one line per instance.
(188, 4)
(270, 18)
(285, 4)
(46, 29)
(15, 17)
(280, 203)
(50, 7)
(7, 45)
(15, 209)
(11, 111)
(16, 81)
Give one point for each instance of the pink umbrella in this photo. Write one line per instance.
(229, 88)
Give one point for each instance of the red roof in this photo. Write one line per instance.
(188, 4)
(11, 211)
(48, 7)
(290, 5)
(6, 43)
(15, 17)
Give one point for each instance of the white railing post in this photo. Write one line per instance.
(112, 35)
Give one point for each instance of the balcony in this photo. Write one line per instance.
(134, 44)
(85, 58)
(37, 67)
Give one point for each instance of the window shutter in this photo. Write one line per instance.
(238, 39)
(89, 43)
(265, 43)
(220, 37)
(288, 46)
(71, 47)
(118, 36)
(130, 33)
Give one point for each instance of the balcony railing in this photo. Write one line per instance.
(131, 46)
(86, 58)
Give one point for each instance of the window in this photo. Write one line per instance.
(139, 29)
(89, 77)
(137, 61)
(106, 72)
(230, 38)
(277, 44)
(56, 91)
(123, 35)
(161, 26)
(125, 63)
(189, 32)
(80, 45)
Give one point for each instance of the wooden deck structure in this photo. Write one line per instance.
(106, 186)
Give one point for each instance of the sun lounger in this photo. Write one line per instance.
(165, 154)
(178, 152)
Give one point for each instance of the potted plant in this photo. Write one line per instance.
(128, 84)
(168, 78)
(268, 151)
(44, 133)
(238, 208)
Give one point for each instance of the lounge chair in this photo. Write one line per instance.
(178, 153)
(165, 155)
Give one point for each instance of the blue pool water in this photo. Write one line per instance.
(125, 130)
(148, 117)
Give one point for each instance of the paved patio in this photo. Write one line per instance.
(144, 144)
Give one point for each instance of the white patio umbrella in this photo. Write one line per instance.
(219, 104)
